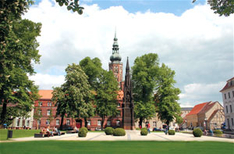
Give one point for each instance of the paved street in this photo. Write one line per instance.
(130, 136)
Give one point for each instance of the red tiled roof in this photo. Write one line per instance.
(196, 109)
(207, 107)
(45, 94)
(226, 86)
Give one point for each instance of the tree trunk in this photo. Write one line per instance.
(167, 122)
(85, 120)
(103, 118)
(4, 111)
(140, 122)
(61, 125)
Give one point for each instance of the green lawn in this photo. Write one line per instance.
(17, 133)
(120, 147)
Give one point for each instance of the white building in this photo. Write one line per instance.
(228, 103)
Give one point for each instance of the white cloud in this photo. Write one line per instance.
(198, 45)
(46, 81)
(198, 93)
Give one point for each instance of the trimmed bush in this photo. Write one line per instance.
(84, 128)
(197, 132)
(171, 132)
(218, 133)
(119, 132)
(144, 131)
(82, 133)
(109, 130)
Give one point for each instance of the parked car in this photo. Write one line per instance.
(157, 129)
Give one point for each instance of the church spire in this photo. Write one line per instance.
(115, 57)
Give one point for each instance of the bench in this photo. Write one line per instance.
(38, 135)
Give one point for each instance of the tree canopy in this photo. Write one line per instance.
(152, 83)
(144, 76)
(222, 7)
(71, 5)
(18, 53)
(106, 95)
(73, 97)
(167, 105)
(93, 69)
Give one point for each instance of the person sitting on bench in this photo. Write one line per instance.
(55, 130)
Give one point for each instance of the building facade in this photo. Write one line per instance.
(208, 115)
(228, 103)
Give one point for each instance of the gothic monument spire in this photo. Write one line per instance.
(128, 104)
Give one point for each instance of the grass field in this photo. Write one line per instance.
(120, 147)
(17, 133)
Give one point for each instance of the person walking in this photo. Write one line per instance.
(148, 127)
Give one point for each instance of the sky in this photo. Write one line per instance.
(188, 37)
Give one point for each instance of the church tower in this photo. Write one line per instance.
(128, 104)
(116, 66)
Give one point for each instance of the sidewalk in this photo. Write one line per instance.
(131, 135)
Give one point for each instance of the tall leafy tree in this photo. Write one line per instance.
(106, 95)
(37, 114)
(16, 58)
(144, 76)
(167, 95)
(74, 94)
(63, 108)
(11, 10)
(92, 68)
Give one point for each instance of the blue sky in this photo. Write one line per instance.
(176, 7)
(188, 37)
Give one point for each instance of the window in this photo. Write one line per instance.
(48, 112)
(18, 122)
(230, 108)
(40, 103)
(232, 93)
(229, 96)
(226, 109)
(39, 112)
(99, 122)
(68, 122)
(232, 122)
(118, 105)
(117, 123)
(225, 97)
(39, 122)
(47, 122)
(154, 124)
(88, 122)
(57, 121)
(49, 104)
(28, 121)
(108, 123)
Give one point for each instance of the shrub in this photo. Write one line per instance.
(197, 132)
(144, 131)
(171, 132)
(83, 128)
(82, 133)
(109, 130)
(218, 133)
(119, 132)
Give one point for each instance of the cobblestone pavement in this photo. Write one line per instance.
(131, 135)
